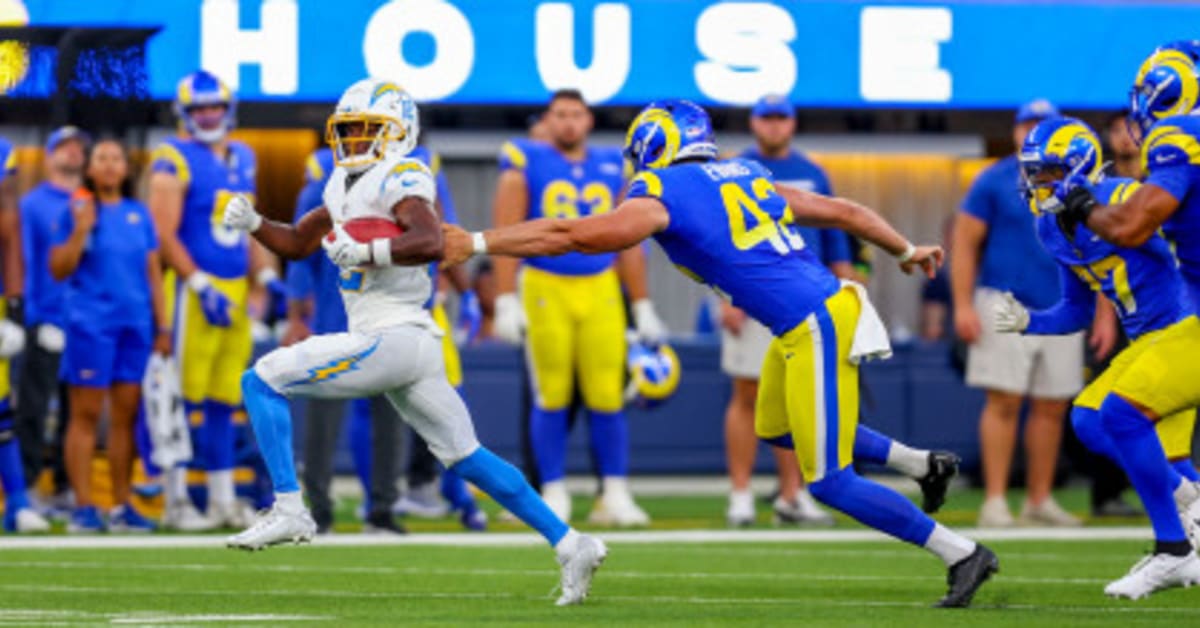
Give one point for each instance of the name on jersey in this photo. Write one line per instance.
(725, 170)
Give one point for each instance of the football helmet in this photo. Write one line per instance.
(1058, 153)
(667, 131)
(374, 119)
(1167, 84)
(653, 373)
(202, 89)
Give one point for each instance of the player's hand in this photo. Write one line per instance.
(966, 323)
(509, 325)
(1103, 337)
(650, 328)
(162, 343)
(215, 305)
(344, 250)
(297, 330)
(732, 318)
(241, 215)
(83, 211)
(1009, 316)
(470, 316)
(12, 339)
(927, 257)
(459, 246)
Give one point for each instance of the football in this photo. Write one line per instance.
(370, 228)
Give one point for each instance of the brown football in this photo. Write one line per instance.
(370, 228)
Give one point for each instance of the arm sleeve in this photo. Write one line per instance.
(1069, 315)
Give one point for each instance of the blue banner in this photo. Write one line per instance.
(823, 54)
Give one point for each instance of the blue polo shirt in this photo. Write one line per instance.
(829, 245)
(1012, 260)
(40, 208)
(110, 289)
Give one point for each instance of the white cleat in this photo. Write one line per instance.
(274, 528)
(184, 517)
(1187, 501)
(578, 567)
(1156, 573)
(558, 499)
(803, 511)
(29, 521)
(235, 515)
(424, 502)
(741, 509)
(1047, 513)
(617, 508)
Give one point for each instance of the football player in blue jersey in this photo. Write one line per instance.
(569, 308)
(18, 515)
(193, 176)
(1141, 392)
(725, 223)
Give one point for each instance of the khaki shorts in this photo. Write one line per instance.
(1044, 367)
(742, 355)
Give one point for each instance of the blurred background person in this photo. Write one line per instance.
(106, 252)
(744, 341)
(936, 304)
(995, 250)
(39, 383)
(1125, 154)
(19, 515)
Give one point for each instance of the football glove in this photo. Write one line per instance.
(241, 215)
(1009, 316)
(510, 318)
(650, 328)
(12, 339)
(345, 251)
(215, 305)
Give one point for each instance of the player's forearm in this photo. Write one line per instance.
(157, 300)
(1064, 317)
(413, 248)
(631, 268)
(175, 255)
(1120, 226)
(870, 226)
(534, 238)
(284, 240)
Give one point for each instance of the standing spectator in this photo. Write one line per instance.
(935, 297)
(995, 251)
(40, 208)
(106, 251)
(1125, 154)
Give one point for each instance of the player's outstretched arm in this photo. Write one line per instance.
(283, 239)
(633, 221)
(825, 211)
(1133, 222)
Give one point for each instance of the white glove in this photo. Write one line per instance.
(509, 325)
(344, 250)
(241, 215)
(12, 339)
(1009, 316)
(51, 338)
(650, 328)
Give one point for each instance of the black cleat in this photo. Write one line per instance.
(943, 466)
(382, 522)
(967, 575)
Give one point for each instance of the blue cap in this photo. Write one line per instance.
(773, 105)
(64, 133)
(1038, 109)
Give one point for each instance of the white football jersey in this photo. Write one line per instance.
(377, 297)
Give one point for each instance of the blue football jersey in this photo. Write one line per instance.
(561, 188)
(1143, 283)
(1171, 159)
(731, 230)
(210, 183)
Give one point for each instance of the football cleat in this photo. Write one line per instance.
(967, 575)
(578, 567)
(85, 520)
(273, 528)
(1156, 573)
(423, 502)
(235, 514)
(125, 520)
(741, 510)
(943, 466)
(1189, 513)
(803, 511)
(615, 507)
(382, 522)
(185, 518)
(25, 520)
(473, 520)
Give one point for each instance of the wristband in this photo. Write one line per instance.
(381, 252)
(479, 243)
(266, 275)
(198, 282)
(909, 251)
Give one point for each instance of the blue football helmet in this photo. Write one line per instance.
(653, 374)
(1167, 84)
(667, 131)
(200, 89)
(1058, 154)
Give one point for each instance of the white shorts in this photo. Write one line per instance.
(742, 354)
(403, 362)
(1043, 367)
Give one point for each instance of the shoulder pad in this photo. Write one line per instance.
(1171, 142)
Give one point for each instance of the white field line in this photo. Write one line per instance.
(722, 601)
(511, 539)
(58, 617)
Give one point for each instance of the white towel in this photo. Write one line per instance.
(870, 336)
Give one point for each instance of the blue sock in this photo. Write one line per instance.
(610, 442)
(198, 431)
(548, 436)
(1186, 469)
(360, 444)
(12, 474)
(1141, 455)
(272, 422)
(1089, 428)
(871, 446)
(505, 484)
(874, 505)
(219, 437)
(145, 446)
(456, 492)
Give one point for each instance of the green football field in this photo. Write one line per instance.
(666, 576)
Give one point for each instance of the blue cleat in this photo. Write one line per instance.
(127, 520)
(474, 520)
(85, 520)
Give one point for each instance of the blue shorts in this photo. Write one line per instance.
(98, 358)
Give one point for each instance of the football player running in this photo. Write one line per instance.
(393, 346)
(1118, 414)
(725, 223)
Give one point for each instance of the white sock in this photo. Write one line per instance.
(614, 484)
(950, 546)
(176, 485)
(1186, 493)
(911, 462)
(220, 486)
(744, 496)
(557, 486)
(291, 502)
(566, 545)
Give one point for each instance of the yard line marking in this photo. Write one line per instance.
(72, 617)
(518, 539)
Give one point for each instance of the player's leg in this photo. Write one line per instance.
(550, 351)
(222, 399)
(197, 345)
(453, 488)
(89, 363)
(322, 429)
(133, 352)
(932, 470)
(387, 441)
(741, 447)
